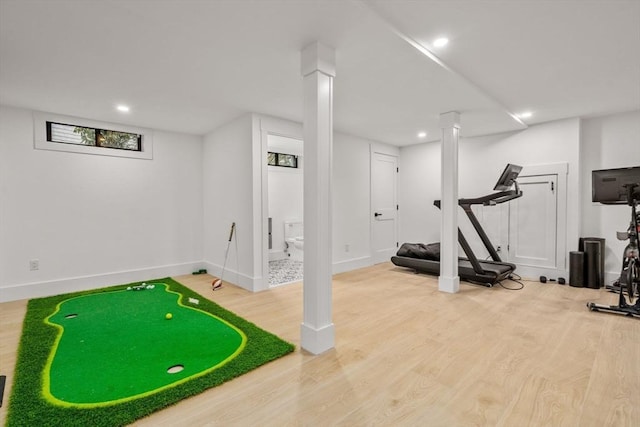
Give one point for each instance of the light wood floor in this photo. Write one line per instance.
(407, 354)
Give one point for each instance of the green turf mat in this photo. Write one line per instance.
(103, 357)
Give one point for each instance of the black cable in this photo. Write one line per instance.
(513, 280)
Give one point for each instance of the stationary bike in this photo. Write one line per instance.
(622, 283)
(630, 275)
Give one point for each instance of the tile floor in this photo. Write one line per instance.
(284, 271)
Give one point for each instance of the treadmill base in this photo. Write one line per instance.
(494, 272)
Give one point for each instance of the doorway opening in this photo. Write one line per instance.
(285, 189)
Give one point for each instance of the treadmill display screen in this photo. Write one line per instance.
(508, 177)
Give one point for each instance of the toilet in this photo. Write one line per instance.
(294, 239)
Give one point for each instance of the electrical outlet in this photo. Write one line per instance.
(499, 248)
(34, 264)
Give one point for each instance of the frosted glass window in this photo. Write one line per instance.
(287, 160)
(67, 134)
(115, 139)
(79, 135)
(271, 159)
(281, 159)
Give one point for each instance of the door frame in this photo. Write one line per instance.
(266, 126)
(388, 151)
(561, 170)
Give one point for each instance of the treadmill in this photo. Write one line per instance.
(471, 269)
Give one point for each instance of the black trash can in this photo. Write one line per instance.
(576, 269)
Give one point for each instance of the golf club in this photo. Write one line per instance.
(217, 284)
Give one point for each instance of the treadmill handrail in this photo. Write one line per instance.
(496, 198)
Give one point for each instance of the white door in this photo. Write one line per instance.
(494, 220)
(384, 206)
(533, 222)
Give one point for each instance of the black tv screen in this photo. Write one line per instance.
(608, 185)
(508, 177)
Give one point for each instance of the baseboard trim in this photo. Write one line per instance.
(610, 277)
(277, 255)
(84, 283)
(317, 341)
(258, 284)
(252, 284)
(534, 273)
(449, 284)
(352, 264)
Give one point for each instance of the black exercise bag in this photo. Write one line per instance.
(576, 269)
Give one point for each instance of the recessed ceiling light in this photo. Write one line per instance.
(422, 134)
(525, 115)
(122, 108)
(442, 41)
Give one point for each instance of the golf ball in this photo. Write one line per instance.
(168, 316)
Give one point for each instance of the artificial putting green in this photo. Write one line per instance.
(103, 357)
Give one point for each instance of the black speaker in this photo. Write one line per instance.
(576, 269)
(592, 251)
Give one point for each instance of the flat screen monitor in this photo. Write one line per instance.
(608, 185)
(508, 177)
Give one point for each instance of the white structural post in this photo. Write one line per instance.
(449, 281)
(318, 70)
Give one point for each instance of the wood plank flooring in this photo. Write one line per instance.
(409, 355)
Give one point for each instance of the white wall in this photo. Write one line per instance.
(94, 220)
(351, 202)
(481, 160)
(418, 187)
(227, 198)
(285, 202)
(351, 181)
(608, 142)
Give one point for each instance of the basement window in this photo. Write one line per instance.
(56, 132)
(80, 135)
(283, 160)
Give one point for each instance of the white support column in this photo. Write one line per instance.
(449, 281)
(318, 70)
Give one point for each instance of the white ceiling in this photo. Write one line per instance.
(190, 66)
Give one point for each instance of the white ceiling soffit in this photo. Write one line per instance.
(190, 66)
(187, 66)
(557, 59)
(387, 90)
